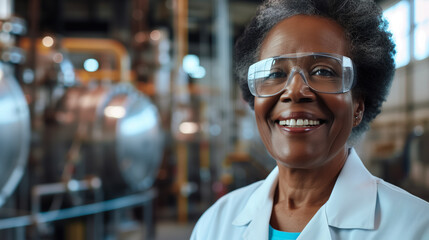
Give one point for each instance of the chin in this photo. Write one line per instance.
(299, 162)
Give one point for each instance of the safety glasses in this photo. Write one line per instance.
(322, 72)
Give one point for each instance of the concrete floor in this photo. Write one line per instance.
(173, 230)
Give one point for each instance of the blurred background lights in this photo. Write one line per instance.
(191, 65)
(155, 35)
(199, 72)
(96, 182)
(48, 41)
(28, 76)
(15, 57)
(73, 185)
(114, 111)
(188, 127)
(140, 37)
(7, 27)
(90, 65)
(67, 69)
(190, 62)
(58, 58)
(215, 130)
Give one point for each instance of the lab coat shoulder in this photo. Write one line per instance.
(402, 212)
(361, 206)
(222, 213)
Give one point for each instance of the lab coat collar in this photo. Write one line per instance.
(352, 204)
(257, 212)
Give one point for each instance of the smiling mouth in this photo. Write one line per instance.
(299, 123)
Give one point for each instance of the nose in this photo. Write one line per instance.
(296, 89)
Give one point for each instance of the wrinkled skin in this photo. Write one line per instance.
(309, 158)
(320, 146)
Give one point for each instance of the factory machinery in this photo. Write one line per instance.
(78, 161)
(80, 151)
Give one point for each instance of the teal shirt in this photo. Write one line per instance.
(279, 235)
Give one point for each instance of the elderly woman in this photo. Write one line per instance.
(316, 73)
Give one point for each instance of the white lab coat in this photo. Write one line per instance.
(361, 206)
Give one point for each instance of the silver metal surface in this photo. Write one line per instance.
(14, 132)
(113, 132)
(139, 142)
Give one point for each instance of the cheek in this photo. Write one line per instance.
(342, 109)
(260, 115)
(262, 110)
(341, 104)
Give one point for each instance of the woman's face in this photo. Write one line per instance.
(315, 145)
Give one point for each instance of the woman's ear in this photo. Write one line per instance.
(358, 111)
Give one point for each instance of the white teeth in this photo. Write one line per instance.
(299, 122)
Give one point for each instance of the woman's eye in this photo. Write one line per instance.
(324, 72)
(276, 75)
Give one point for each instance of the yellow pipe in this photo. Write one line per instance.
(182, 180)
(182, 150)
(101, 45)
(92, 45)
(182, 30)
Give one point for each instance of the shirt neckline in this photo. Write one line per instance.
(275, 234)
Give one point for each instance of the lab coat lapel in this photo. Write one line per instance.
(255, 216)
(318, 227)
(352, 203)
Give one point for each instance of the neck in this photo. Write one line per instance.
(299, 188)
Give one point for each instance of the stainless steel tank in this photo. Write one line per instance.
(113, 132)
(14, 112)
(14, 132)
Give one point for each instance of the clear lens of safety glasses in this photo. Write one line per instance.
(322, 72)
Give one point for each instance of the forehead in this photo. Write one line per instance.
(303, 33)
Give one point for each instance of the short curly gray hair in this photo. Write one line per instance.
(371, 47)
